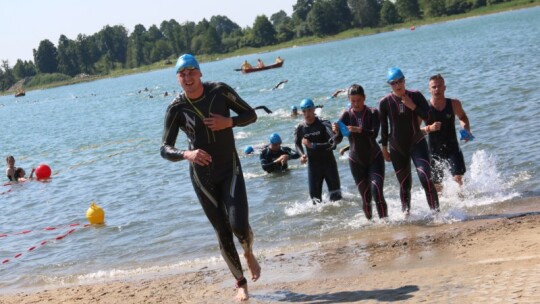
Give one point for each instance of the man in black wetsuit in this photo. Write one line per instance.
(441, 130)
(401, 112)
(202, 112)
(318, 138)
(274, 157)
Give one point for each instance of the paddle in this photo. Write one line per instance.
(238, 70)
(264, 108)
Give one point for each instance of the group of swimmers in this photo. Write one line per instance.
(398, 119)
(203, 112)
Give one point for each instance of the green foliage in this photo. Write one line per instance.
(408, 9)
(454, 7)
(434, 8)
(301, 10)
(263, 32)
(24, 69)
(366, 13)
(45, 57)
(389, 14)
(45, 78)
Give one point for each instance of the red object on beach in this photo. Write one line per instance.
(43, 171)
(413, 28)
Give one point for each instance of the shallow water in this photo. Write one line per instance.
(102, 141)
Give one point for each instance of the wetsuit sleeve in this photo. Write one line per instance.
(170, 133)
(246, 114)
(330, 144)
(383, 118)
(345, 119)
(266, 163)
(422, 106)
(292, 154)
(298, 135)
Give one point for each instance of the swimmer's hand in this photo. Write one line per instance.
(199, 157)
(218, 122)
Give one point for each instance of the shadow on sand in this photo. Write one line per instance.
(384, 295)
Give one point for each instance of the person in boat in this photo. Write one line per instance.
(203, 113)
(365, 157)
(260, 63)
(317, 136)
(401, 112)
(441, 131)
(246, 65)
(274, 157)
(279, 59)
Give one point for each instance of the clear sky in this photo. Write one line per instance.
(24, 23)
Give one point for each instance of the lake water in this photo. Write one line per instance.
(102, 141)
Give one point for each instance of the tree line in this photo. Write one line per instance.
(113, 47)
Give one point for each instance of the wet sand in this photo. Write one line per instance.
(493, 258)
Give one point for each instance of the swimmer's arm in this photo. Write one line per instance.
(170, 133)
(461, 115)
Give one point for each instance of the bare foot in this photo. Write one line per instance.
(242, 293)
(253, 266)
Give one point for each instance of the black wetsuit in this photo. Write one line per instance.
(407, 142)
(219, 186)
(444, 144)
(268, 156)
(365, 158)
(322, 164)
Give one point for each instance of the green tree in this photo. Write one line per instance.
(433, 8)
(280, 18)
(45, 57)
(87, 53)
(323, 20)
(342, 13)
(223, 25)
(67, 57)
(301, 10)
(366, 13)
(210, 42)
(454, 7)
(263, 32)
(389, 14)
(162, 50)
(408, 9)
(7, 78)
(23, 69)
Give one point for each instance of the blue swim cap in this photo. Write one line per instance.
(307, 104)
(275, 139)
(294, 108)
(394, 74)
(186, 61)
(248, 149)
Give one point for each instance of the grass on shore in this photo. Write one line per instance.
(506, 6)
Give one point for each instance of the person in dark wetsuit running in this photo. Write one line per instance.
(318, 138)
(401, 112)
(441, 131)
(274, 157)
(202, 112)
(365, 157)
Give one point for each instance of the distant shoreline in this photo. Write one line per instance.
(352, 33)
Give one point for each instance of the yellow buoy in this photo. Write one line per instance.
(95, 214)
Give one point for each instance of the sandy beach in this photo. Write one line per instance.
(492, 259)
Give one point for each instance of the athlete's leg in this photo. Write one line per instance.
(376, 176)
(331, 177)
(215, 210)
(420, 157)
(360, 176)
(457, 166)
(437, 170)
(401, 161)
(315, 180)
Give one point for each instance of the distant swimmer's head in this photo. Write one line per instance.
(294, 108)
(355, 89)
(248, 150)
(307, 104)
(393, 75)
(186, 61)
(275, 139)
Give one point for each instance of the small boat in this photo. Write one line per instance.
(267, 67)
(20, 93)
